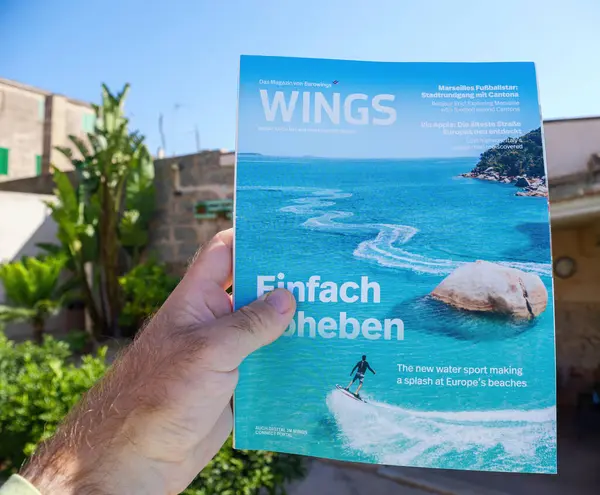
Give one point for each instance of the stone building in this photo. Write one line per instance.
(183, 184)
(573, 161)
(32, 123)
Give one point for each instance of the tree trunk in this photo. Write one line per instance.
(109, 258)
(97, 317)
(38, 330)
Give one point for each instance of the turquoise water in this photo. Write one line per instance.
(406, 225)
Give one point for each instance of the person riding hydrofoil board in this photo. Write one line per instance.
(361, 368)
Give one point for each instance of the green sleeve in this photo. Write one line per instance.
(16, 485)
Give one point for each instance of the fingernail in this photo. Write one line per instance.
(280, 299)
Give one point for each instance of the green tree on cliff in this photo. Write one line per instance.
(512, 162)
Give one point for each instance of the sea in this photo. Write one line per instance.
(406, 224)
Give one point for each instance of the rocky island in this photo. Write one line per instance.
(518, 161)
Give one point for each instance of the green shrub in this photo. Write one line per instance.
(78, 341)
(238, 472)
(38, 386)
(32, 290)
(145, 288)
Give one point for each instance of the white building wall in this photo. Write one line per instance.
(569, 145)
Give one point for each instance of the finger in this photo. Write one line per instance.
(235, 336)
(214, 261)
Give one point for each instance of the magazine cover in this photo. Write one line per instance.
(405, 206)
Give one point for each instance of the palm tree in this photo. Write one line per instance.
(32, 291)
(107, 215)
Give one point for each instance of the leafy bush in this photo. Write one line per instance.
(237, 472)
(38, 386)
(145, 288)
(78, 341)
(33, 291)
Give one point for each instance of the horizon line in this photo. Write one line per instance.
(268, 155)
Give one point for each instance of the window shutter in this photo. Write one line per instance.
(3, 161)
(89, 122)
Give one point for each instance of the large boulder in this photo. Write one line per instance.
(489, 287)
(522, 182)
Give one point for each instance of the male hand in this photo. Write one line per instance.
(163, 410)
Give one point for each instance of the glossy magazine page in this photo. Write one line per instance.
(405, 205)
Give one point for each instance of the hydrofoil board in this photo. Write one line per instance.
(349, 394)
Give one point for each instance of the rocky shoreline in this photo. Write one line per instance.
(530, 186)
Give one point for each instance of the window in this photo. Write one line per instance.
(38, 165)
(89, 122)
(3, 161)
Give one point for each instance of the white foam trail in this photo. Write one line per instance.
(384, 247)
(508, 415)
(492, 439)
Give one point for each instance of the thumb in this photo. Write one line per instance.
(236, 335)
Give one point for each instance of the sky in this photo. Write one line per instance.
(182, 57)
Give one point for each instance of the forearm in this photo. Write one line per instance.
(94, 450)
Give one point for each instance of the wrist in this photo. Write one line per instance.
(97, 451)
(87, 471)
(52, 471)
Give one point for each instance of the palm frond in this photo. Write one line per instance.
(81, 146)
(66, 151)
(11, 314)
(31, 280)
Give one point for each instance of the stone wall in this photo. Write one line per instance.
(176, 234)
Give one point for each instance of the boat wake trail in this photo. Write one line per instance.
(387, 245)
(484, 440)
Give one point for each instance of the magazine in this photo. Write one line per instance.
(405, 206)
